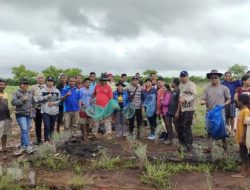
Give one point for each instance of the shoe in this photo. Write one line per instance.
(188, 148)
(152, 137)
(30, 149)
(20, 152)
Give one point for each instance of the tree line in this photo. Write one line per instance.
(22, 72)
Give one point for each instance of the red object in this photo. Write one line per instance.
(103, 94)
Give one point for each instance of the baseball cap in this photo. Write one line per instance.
(134, 78)
(50, 79)
(183, 73)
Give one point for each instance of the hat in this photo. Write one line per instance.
(183, 73)
(134, 78)
(120, 83)
(50, 79)
(110, 74)
(104, 77)
(214, 72)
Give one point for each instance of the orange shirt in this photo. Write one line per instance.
(243, 114)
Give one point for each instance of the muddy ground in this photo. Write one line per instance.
(129, 178)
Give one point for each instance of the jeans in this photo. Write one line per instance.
(38, 125)
(152, 123)
(49, 124)
(24, 123)
(120, 123)
(138, 115)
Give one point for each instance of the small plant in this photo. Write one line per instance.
(140, 151)
(79, 169)
(106, 162)
(61, 137)
(42, 188)
(78, 182)
(7, 182)
(156, 175)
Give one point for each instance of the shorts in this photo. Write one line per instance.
(5, 127)
(230, 110)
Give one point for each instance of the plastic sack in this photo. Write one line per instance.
(150, 105)
(129, 112)
(248, 134)
(215, 119)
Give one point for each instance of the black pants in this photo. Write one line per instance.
(38, 125)
(152, 123)
(168, 120)
(138, 115)
(183, 128)
(245, 157)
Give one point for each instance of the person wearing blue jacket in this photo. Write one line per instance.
(121, 96)
(150, 90)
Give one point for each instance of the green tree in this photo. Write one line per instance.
(149, 72)
(22, 72)
(52, 71)
(72, 72)
(238, 70)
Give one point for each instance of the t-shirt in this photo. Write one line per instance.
(232, 86)
(174, 101)
(86, 94)
(240, 91)
(71, 103)
(215, 95)
(120, 99)
(243, 114)
(4, 109)
(103, 94)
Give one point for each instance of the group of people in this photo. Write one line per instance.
(66, 103)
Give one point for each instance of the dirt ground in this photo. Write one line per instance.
(127, 179)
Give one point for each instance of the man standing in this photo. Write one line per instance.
(215, 94)
(188, 95)
(63, 84)
(230, 109)
(79, 81)
(36, 89)
(103, 94)
(5, 120)
(85, 120)
(92, 77)
(135, 92)
(124, 80)
(71, 97)
(111, 82)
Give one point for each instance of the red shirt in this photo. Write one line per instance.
(240, 91)
(103, 94)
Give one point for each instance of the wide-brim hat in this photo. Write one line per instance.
(104, 77)
(120, 83)
(214, 72)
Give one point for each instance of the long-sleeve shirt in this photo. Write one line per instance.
(165, 103)
(160, 95)
(188, 91)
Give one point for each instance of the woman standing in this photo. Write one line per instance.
(23, 100)
(50, 99)
(245, 89)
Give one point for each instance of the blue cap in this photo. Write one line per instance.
(183, 73)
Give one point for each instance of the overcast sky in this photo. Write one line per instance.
(125, 35)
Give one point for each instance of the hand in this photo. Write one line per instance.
(25, 98)
(203, 102)
(49, 95)
(50, 104)
(1, 97)
(182, 100)
(177, 116)
(68, 93)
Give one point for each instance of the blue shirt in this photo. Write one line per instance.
(232, 86)
(86, 94)
(92, 85)
(71, 103)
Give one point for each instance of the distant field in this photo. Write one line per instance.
(199, 123)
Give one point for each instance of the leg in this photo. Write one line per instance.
(107, 124)
(187, 130)
(95, 127)
(38, 125)
(53, 119)
(138, 122)
(245, 160)
(46, 121)
(74, 120)
(168, 123)
(132, 124)
(6, 133)
(118, 123)
(66, 116)
(179, 129)
(22, 122)
(152, 122)
(59, 120)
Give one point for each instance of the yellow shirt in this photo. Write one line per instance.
(243, 114)
(4, 95)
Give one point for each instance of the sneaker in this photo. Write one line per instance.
(152, 137)
(30, 149)
(20, 152)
